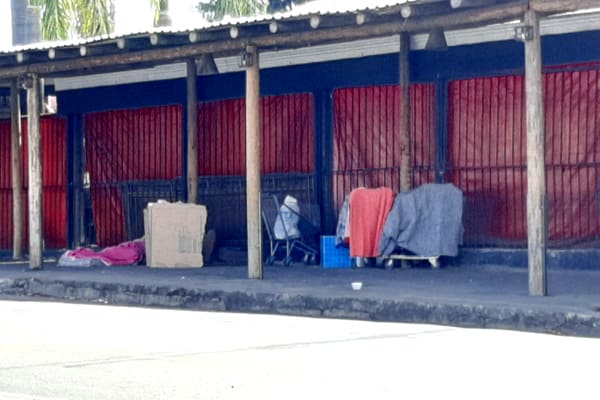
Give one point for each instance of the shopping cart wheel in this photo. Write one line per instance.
(287, 261)
(309, 259)
(270, 260)
(435, 262)
(360, 262)
(389, 264)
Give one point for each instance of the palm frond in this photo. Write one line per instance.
(55, 18)
(156, 7)
(93, 17)
(215, 10)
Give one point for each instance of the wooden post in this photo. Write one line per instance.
(405, 156)
(536, 174)
(34, 154)
(255, 269)
(192, 133)
(17, 174)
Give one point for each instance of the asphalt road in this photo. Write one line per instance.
(67, 351)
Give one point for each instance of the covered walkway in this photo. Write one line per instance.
(483, 296)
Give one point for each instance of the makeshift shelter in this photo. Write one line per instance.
(466, 115)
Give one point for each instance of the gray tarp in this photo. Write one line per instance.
(426, 221)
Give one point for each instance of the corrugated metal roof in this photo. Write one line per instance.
(276, 52)
(317, 7)
(338, 51)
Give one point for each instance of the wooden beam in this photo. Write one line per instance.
(536, 173)
(153, 39)
(255, 268)
(419, 10)
(546, 7)
(471, 3)
(55, 54)
(286, 27)
(167, 40)
(315, 21)
(34, 154)
(87, 51)
(22, 57)
(122, 43)
(210, 36)
(336, 21)
(457, 20)
(192, 133)
(27, 57)
(17, 175)
(405, 156)
(361, 18)
(129, 44)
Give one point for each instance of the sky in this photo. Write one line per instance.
(5, 25)
(137, 15)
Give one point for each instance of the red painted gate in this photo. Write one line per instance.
(366, 149)
(487, 156)
(54, 183)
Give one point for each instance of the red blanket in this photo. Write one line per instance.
(369, 209)
(123, 254)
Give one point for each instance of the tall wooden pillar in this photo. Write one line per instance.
(192, 133)
(34, 154)
(255, 269)
(405, 156)
(536, 173)
(17, 175)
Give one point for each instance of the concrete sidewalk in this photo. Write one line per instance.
(467, 296)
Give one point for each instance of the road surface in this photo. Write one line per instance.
(53, 351)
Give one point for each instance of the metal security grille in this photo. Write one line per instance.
(6, 203)
(54, 186)
(287, 135)
(135, 156)
(367, 138)
(287, 162)
(128, 145)
(487, 157)
(572, 101)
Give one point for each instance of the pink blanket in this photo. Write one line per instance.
(369, 209)
(126, 253)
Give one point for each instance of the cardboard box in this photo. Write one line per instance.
(174, 233)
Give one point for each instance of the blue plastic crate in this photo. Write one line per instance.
(334, 257)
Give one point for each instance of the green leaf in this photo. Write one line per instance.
(215, 10)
